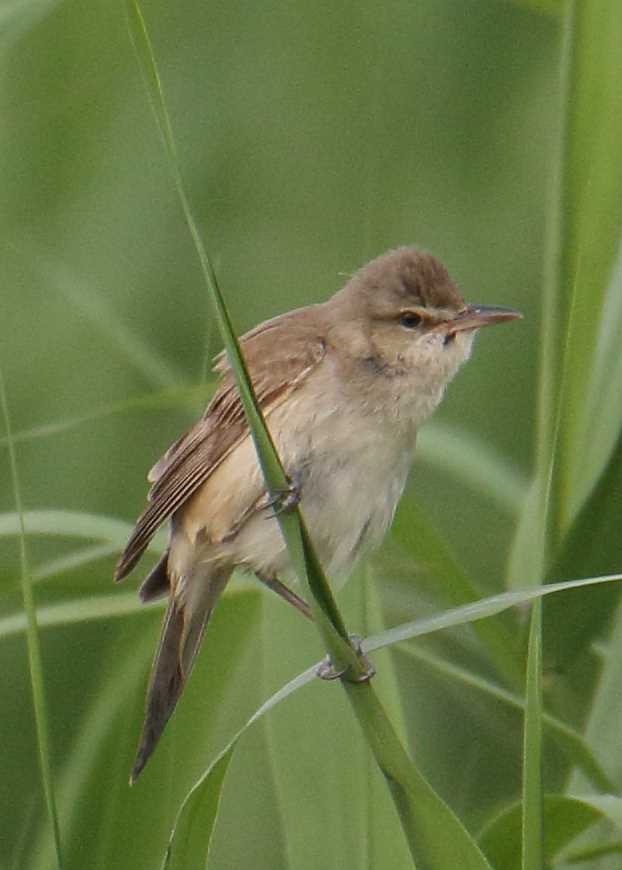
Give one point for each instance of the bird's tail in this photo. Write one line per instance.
(182, 632)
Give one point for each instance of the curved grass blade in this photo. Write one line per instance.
(35, 661)
(120, 605)
(212, 781)
(478, 610)
(162, 399)
(610, 808)
(79, 610)
(532, 806)
(208, 788)
(440, 841)
(565, 817)
(72, 524)
(602, 730)
(570, 741)
(189, 848)
(71, 561)
(453, 586)
(108, 708)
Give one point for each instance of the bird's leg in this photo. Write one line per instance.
(281, 501)
(286, 593)
(327, 671)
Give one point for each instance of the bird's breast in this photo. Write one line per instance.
(351, 465)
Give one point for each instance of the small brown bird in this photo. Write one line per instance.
(344, 386)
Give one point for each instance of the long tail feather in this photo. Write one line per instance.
(156, 584)
(182, 632)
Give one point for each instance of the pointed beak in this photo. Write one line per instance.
(475, 316)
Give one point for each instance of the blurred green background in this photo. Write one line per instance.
(312, 137)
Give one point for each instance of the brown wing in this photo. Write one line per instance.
(279, 355)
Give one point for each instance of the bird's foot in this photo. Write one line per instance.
(284, 500)
(327, 671)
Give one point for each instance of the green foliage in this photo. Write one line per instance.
(311, 138)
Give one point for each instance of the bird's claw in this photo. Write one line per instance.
(284, 500)
(327, 671)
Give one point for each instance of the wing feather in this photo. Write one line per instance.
(279, 354)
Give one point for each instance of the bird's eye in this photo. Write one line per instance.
(410, 320)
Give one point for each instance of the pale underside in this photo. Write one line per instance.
(350, 460)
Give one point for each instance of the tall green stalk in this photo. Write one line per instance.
(435, 836)
(35, 661)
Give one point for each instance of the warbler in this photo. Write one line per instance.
(344, 386)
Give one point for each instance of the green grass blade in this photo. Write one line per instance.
(436, 837)
(579, 417)
(589, 547)
(570, 741)
(478, 610)
(603, 409)
(538, 534)
(565, 817)
(188, 849)
(592, 245)
(432, 817)
(34, 646)
(79, 785)
(71, 561)
(404, 780)
(304, 560)
(208, 787)
(602, 730)
(73, 524)
(590, 853)
(414, 531)
(193, 397)
(121, 604)
(532, 812)
(77, 611)
(608, 807)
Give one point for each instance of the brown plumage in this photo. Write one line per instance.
(343, 386)
(276, 369)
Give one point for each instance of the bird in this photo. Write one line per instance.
(344, 386)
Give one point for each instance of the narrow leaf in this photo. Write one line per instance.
(565, 818)
(416, 793)
(35, 660)
(72, 524)
(191, 396)
(478, 610)
(189, 846)
(532, 815)
(570, 741)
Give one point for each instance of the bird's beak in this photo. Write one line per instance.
(474, 316)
